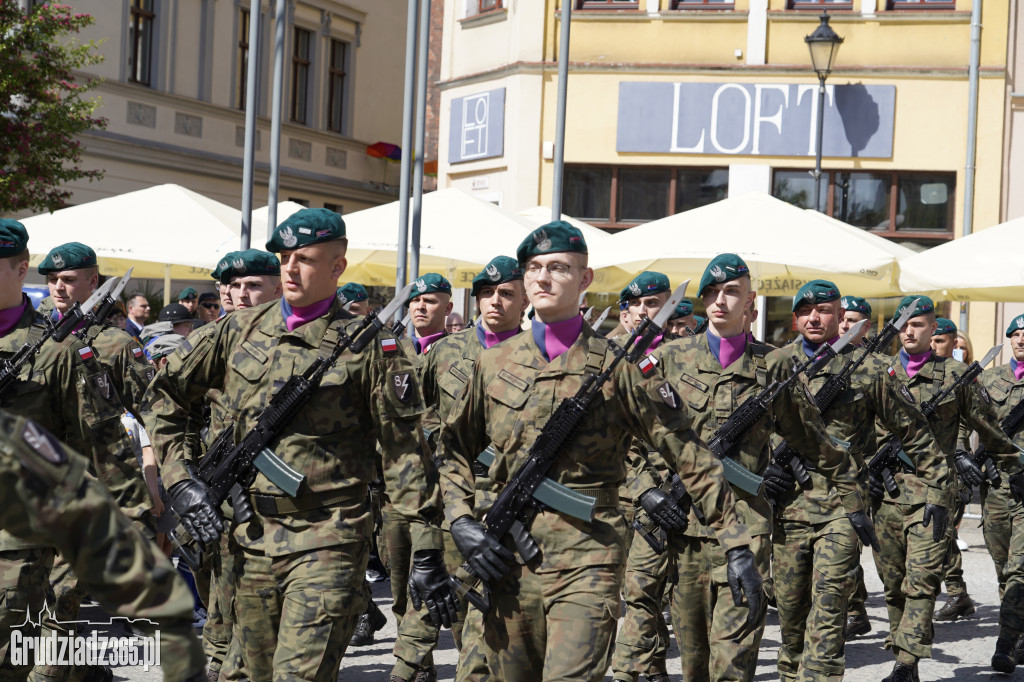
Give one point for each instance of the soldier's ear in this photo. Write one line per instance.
(588, 279)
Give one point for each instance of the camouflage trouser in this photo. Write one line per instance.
(24, 578)
(219, 605)
(953, 569)
(997, 525)
(814, 567)
(416, 638)
(910, 566)
(295, 614)
(1011, 611)
(557, 626)
(705, 619)
(642, 644)
(859, 596)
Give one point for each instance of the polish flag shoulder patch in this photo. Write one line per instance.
(647, 365)
(891, 372)
(389, 345)
(85, 353)
(137, 352)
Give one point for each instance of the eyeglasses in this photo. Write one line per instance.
(210, 306)
(556, 270)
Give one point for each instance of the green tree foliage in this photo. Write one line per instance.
(43, 106)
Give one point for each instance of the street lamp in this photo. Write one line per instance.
(823, 44)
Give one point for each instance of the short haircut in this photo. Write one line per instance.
(16, 259)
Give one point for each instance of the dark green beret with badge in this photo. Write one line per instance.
(645, 284)
(944, 326)
(555, 237)
(501, 269)
(222, 265)
(305, 227)
(924, 306)
(248, 262)
(13, 237)
(70, 256)
(429, 283)
(1016, 324)
(855, 304)
(353, 292)
(684, 308)
(724, 267)
(188, 294)
(814, 292)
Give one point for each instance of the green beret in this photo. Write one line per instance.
(188, 294)
(854, 304)
(352, 292)
(248, 262)
(816, 291)
(70, 256)
(924, 306)
(645, 284)
(222, 265)
(723, 268)
(501, 269)
(684, 308)
(305, 227)
(13, 237)
(1015, 324)
(945, 326)
(428, 284)
(556, 237)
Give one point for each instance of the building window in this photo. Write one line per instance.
(300, 201)
(921, 4)
(337, 208)
(702, 4)
(821, 4)
(300, 76)
(243, 59)
(915, 207)
(336, 86)
(140, 41)
(607, 4)
(487, 5)
(623, 196)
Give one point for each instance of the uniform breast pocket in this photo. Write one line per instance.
(331, 409)
(505, 423)
(99, 401)
(999, 392)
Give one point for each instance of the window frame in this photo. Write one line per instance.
(303, 64)
(608, 5)
(923, 6)
(819, 5)
(691, 5)
(332, 73)
(480, 9)
(136, 16)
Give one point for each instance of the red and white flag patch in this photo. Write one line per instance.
(137, 352)
(891, 372)
(647, 365)
(85, 353)
(388, 345)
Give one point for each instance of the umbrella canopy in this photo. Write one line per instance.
(161, 231)
(459, 234)
(784, 246)
(983, 266)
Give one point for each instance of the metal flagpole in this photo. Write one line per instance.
(275, 117)
(421, 132)
(407, 110)
(250, 122)
(563, 78)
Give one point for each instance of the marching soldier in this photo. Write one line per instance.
(817, 540)
(355, 298)
(855, 309)
(912, 529)
(253, 278)
(716, 373)
(304, 557)
(682, 322)
(1003, 514)
(553, 615)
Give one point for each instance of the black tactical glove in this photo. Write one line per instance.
(240, 503)
(875, 488)
(940, 515)
(488, 558)
(966, 468)
(191, 501)
(428, 583)
(524, 542)
(778, 480)
(864, 528)
(663, 510)
(744, 579)
(1017, 486)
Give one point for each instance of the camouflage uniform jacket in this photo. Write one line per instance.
(872, 394)
(963, 406)
(712, 394)
(363, 399)
(52, 500)
(512, 393)
(69, 393)
(1004, 392)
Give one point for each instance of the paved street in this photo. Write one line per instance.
(962, 650)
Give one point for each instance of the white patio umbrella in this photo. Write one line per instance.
(784, 246)
(987, 265)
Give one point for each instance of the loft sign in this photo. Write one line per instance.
(755, 119)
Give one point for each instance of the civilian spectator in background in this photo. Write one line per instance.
(189, 298)
(454, 323)
(118, 317)
(209, 307)
(138, 313)
(181, 321)
(963, 343)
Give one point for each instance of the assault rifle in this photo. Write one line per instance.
(228, 469)
(11, 367)
(1010, 424)
(973, 371)
(99, 314)
(600, 320)
(653, 533)
(784, 455)
(555, 437)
